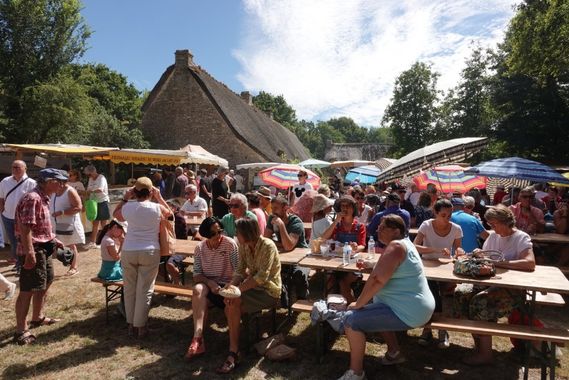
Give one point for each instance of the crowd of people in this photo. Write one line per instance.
(241, 236)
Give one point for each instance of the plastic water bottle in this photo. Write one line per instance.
(370, 248)
(346, 253)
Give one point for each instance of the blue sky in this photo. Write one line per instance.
(328, 58)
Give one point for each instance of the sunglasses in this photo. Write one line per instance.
(234, 205)
(301, 175)
(525, 196)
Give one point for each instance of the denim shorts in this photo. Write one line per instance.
(374, 317)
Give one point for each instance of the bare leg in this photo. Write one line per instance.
(483, 353)
(38, 302)
(175, 274)
(73, 249)
(233, 314)
(346, 287)
(391, 340)
(357, 342)
(22, 308)
(95, 231)
(199, 308)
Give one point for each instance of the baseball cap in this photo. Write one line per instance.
(457, 201)
(51, 173)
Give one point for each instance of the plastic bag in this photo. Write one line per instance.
(91, 209)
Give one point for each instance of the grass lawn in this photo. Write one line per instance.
(83, 346)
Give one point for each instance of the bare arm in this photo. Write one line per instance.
(526, 262)
(2, 204)
(388, 262)
(420, 247)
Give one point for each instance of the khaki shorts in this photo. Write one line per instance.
(39, 277)
(253, 300)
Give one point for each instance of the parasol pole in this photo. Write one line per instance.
(438, 179)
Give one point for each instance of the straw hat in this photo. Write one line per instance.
(264, 192)
(321, 202)
(143, 183)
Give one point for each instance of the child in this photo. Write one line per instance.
(111, 239)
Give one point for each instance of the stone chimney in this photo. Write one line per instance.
(247, 97)
(184, 58)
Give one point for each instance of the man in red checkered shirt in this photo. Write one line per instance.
(36, 244)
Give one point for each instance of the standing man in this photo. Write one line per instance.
(37, 246)
(472, 227)
(180, 183)
(98, 190)
(205, 189)
(239, 183)
(11, 191)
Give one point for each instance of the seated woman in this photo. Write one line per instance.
(347, 230)
(215, 260)
(258, 277)
(489, 304)
(111, 239)
(321, 209)
(400, 296)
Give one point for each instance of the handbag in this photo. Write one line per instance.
(479, 264)
(91, 209)
(167, 238)
(63, 228)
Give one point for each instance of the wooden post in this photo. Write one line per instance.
(112, 171)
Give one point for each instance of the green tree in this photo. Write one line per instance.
(277, 108)
(352, 132)
(38, 38)
(412, 114)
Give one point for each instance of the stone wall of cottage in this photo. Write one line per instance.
(182, 114)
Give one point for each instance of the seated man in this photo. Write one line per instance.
(289, 232)
(194, 206)
(238, 208)
(392, 206)
(258, 278)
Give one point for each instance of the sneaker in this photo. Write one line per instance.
(90, 245)
(443, 339)
(396, 358)
(350, 375)
(426, 338)
(10, 292)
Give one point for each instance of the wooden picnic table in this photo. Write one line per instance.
(192, 221)
(186, 247)
(550, 238)
(293, 257)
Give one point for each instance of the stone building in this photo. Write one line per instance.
(188, 106)
(355, 151)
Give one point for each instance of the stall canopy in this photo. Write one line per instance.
(197, 154)
(163, 157)
(257, 165)
(62, 149)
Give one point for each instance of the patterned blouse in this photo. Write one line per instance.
(263, 264)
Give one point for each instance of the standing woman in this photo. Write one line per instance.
(98, 190)
(438, 236)
(219, 194)
(65, 207)
(141, 250)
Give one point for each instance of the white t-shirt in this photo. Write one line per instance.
(239, 182)
(432, 240)
(99, 184)
(299, 189)
(77, 185)
(143, 225)
(198, 205)
(319, 226)
(364, 216)
(105, 244)
(414, 198)
(11, 202)
(511, 246)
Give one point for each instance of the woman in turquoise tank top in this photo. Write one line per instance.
(399, 294)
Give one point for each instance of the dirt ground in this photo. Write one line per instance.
(83, 346)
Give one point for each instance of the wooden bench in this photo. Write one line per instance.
(547, 299)
(114, 290)
(554, 336)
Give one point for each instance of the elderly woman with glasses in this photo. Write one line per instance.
(215, 260)
(490, 304)
(399, 294)
(528, 218)
(238, 205)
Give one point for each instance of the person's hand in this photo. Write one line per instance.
(277, 221)
(129, 193)
(30, 261)
(353, 306)
(445, 252)
(354, 246)
(459, 252)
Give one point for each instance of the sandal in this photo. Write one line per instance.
(228, 365)
(72, 272)
(196, 348)
(43, 321)
(24, 338)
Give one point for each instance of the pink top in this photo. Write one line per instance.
(261, 219)
(523, 221)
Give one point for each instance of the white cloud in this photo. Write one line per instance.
(340, 58)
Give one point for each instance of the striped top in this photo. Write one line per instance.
(217, 264)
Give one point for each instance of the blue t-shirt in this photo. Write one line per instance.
(376, 220)
(407, 292)
(471, 228)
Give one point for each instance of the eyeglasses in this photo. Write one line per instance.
(525, 196)
(300, 175)
(215, 233)
(234, 205)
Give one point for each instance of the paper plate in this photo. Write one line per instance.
(230, 292)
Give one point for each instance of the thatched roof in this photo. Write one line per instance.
(264, 135)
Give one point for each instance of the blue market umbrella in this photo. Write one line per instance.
(519, 168)
(364, 174)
